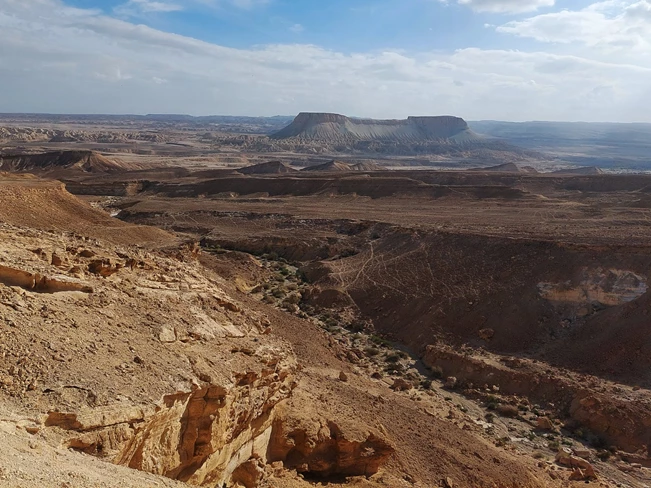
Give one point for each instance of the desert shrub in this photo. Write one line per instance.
(308, 309)
(403, 355)
(357, 326)
(278, 292)
(604, 455)
(372, 351)
(330, 322)
(492, 402)
(508, 411)
(580, 433)
(436, 372)
(380, 341)
(392, 358)
(490, 417)
(284, 271)
(426, 384)
(394, 368)
(293, 299)
(502, 441)
(553, 445)
(598, 442)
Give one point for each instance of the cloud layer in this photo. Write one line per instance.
(57, 58)
(506, 6)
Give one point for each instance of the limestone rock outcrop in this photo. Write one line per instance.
(324, 448)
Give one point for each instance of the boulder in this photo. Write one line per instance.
(544, 423)
(583, 470)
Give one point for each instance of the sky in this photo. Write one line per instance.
(565, 60)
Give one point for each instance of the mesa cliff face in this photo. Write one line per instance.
(338, 128)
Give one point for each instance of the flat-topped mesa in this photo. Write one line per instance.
(442, 126)
(325, 127)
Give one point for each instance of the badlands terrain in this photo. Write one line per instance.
(322, 301)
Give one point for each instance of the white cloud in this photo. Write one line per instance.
(134, 8)
(138, 8)
(610, 26)
(506, 6)
(61, 59)
(297, 28)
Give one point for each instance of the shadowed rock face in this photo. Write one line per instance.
(335, 128)
(83, 161)
(270, 167)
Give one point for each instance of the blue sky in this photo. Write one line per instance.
(342, 25)
(480, 59)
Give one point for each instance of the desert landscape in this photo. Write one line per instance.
(322, 300)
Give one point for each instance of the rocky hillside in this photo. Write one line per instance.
(151, 358)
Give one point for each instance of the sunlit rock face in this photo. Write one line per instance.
(595, 289)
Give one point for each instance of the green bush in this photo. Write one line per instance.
(492, 402)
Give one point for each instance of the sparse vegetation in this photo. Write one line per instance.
(436, 372)
(372, 351)
(510, 411)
